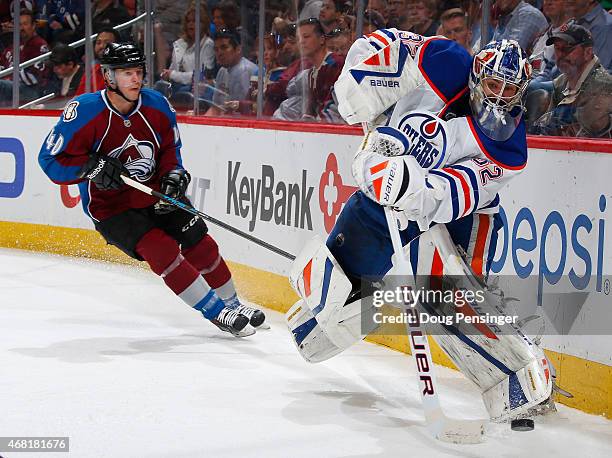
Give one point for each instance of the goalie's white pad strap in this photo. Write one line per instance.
(370, 87)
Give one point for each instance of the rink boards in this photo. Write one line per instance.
(286, 183)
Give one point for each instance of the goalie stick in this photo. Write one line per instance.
(188, 208)
(439, 425)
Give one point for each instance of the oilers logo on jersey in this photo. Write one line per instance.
(427, 139)
(138, 157)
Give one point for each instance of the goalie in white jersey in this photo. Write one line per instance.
(453, 137)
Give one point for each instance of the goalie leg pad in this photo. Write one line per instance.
(322, 318)
(509, 369)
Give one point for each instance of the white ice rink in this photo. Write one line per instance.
(106, 355)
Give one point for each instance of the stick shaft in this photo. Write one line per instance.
(188, 208)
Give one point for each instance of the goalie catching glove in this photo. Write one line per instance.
(173, 184)
(382, 170)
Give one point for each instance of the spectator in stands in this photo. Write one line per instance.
(591, 15)
(398, 14)
(380, 7)
(330, 15)
(33, 79)
(543, 57)
(288, 51)
(313, 91)
(594, 106)
(519, 21)
(372, 20)
(233, 78)
(312, 8)
(423, 17)
(105, 36)
(167, 28)
(454, 25)
(109, 13)
(573, 46)
(180, 74)
(276, 92)
(339, 41)
(64, 19)
(67, 71)
(226, 15)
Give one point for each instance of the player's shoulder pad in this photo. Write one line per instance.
(82, 109)
(153, 99)
(509, 154)
(445, 65)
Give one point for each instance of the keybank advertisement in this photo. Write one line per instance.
(286, 187)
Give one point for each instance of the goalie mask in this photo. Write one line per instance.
(119, 56)
(499, 77)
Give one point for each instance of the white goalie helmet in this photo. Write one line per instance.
(498, 80)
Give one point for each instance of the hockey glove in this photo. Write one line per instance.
(173, 184)
(104, 171)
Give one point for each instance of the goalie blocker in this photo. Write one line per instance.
(511, 372)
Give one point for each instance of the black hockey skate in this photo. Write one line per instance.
(231, 321)
(256, 317)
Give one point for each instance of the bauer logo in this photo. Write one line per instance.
(426, 139)
(266, 198)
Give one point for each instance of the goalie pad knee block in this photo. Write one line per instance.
(322, 323)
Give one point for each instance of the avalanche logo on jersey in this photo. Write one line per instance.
(426, 139)
(137, 156)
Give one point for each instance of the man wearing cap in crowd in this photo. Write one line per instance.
(68, 72)
(591, 15)
(574, 55)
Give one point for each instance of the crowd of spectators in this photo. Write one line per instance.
(304, 46)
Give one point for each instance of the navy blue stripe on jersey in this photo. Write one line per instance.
(453, 190)
(446, 66)
(509, 154)
(473, 182)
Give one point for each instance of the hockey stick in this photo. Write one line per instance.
(439, 425)
(188, 208)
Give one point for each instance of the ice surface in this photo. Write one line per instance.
(107, 355)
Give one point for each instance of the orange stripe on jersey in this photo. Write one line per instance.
(307, 273)
(464, 186)
(481, 241)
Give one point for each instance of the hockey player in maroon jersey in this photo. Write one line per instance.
(130, 130)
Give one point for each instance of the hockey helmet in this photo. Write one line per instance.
(121, 55)
(498, 80)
